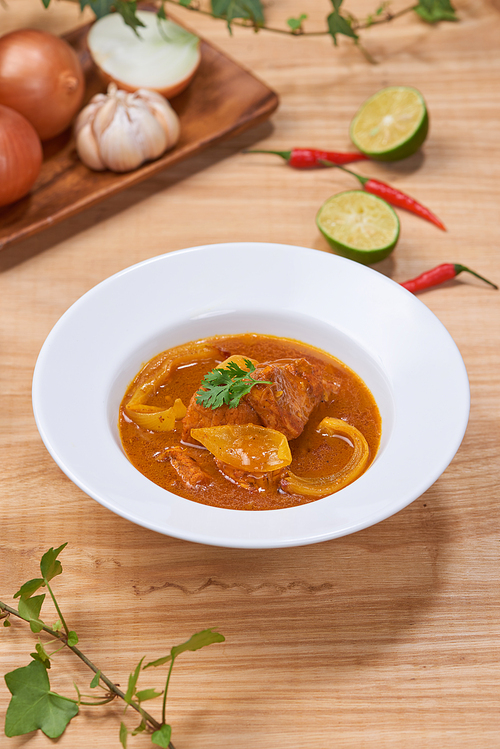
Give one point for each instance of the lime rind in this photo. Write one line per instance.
(359, 226)
(413, 124)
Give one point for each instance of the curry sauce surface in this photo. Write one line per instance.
(313, 454)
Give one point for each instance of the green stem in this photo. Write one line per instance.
(164, 704)
(356, 26)
(56, 651)
(287, 155)
(386, 19)
(363, 180)
(61, 617)
(463, 268)
(368, 57)
(247, 25)
(100, 702)
(112, 687)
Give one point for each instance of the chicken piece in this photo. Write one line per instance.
(188, 469)
(298, 386)
(199, 416)
(253, 481)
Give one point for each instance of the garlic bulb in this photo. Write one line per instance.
(120, 131)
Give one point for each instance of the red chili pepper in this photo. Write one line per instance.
(393, 196)
(305, 158)
(440, 274)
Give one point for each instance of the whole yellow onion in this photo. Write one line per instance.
(41, 78)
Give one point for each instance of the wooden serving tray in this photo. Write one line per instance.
(222, 100)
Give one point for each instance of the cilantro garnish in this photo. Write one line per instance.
(227, 385)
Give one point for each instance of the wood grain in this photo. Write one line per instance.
(384, 639)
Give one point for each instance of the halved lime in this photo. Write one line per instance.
(392, 124)
(359, 226)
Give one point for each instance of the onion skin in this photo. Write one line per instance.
(20, 156)
(41, 78)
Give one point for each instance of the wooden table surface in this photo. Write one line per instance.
(386, 638)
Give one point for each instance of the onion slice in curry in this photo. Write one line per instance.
(157, 372)
(248, 447)
(322, 486)
(157, 420)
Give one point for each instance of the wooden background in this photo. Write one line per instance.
(387, 638)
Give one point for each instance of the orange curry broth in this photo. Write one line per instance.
(313, 454)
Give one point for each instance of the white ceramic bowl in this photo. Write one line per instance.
(384, 333)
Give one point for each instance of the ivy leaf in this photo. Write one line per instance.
(185, 3)
(132, 681)
(95, 681)
(99, 7)
(6, 623)
(50, 566)
(72, 638)
(33, 705)
(140, 728)
(46, 3)
(161, 737)
(123, 735)
(29, 610)
(41, 655)
(296, 23)
(250, 10)
(27, 590)
(147, 694)
(433, 11)
(128, 11)
(161, 13)
(337, 24)
(197, 641)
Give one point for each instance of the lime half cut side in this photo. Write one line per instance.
(359, 226)
(392, 124)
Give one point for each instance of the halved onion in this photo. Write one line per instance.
(155, 419)
(163, 58)
(248, 447)
(322, 486)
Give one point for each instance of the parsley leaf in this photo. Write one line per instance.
(227, 385)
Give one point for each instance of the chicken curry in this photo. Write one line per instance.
(249, 422)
